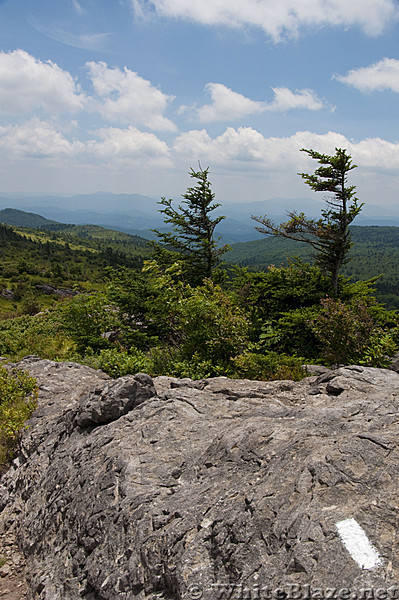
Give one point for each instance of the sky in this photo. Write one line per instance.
(126, 96)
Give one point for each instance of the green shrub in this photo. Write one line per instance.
(171, 362)
(212, 326)
(86, 317)
(40, 334)
(268, 367)
(18, 399)
(291, 333)
(353, 333)
(117, 362)
(29, 305)
(142, 317)
(281, 289)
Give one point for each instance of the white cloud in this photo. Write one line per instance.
(244, 145)
(127, 97)
(128, 144)
(228, 105)
(285, 99)
(376, 154)
(246, 149)
(281, 18)
(248, 165)
(383, 75)
(240, 150)
(27, 83)
(40, 139)
(85, 41)
(37, 139)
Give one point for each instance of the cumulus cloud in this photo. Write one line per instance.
(228, 105)
(27, 84)
(129, 144)
(286, 99)
(382, 75)
(278, 19)
(245, 149)
(124, 96)
(38, 139)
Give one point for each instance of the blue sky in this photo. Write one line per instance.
(127, 95)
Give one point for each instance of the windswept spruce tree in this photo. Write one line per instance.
(192, 234)
(329, 235)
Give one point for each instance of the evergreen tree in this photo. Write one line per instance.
(329, 235)
(192, 233)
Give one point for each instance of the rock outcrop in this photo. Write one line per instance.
(173, 489)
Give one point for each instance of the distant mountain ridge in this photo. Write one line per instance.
(137, 214)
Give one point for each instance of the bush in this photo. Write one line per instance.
(278, 290)
(351, 334)
(118, 363)
(85, 317)
(142, 319)
(29, 305)
(212, 326)
(291, 334)
(171, 362)
(39, 334)
(18, 399)
(268, 367)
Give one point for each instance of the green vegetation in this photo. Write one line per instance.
(375, 253)
(329, 236)
(18, 397)
(193, 231)
(71, 258)
(20, 218)
(261, 325)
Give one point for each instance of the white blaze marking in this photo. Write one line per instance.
(357, 544)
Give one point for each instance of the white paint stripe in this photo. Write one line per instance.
(357, 544)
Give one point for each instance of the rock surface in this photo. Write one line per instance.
(209, 489)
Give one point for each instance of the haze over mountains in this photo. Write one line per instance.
(137, 214)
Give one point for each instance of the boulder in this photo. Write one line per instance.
(138, 489)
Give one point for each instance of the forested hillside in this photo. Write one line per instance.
(20, 218)
(375, 252)
(70, 258)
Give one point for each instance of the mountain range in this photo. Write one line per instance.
(137, 214)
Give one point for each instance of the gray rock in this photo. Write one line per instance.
(210, 489)
(48, 289)
(117, 398)
(7, 294)
(394, 366)
(316, 369)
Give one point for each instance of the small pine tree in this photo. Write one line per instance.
(330, 235)
(193, 229)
